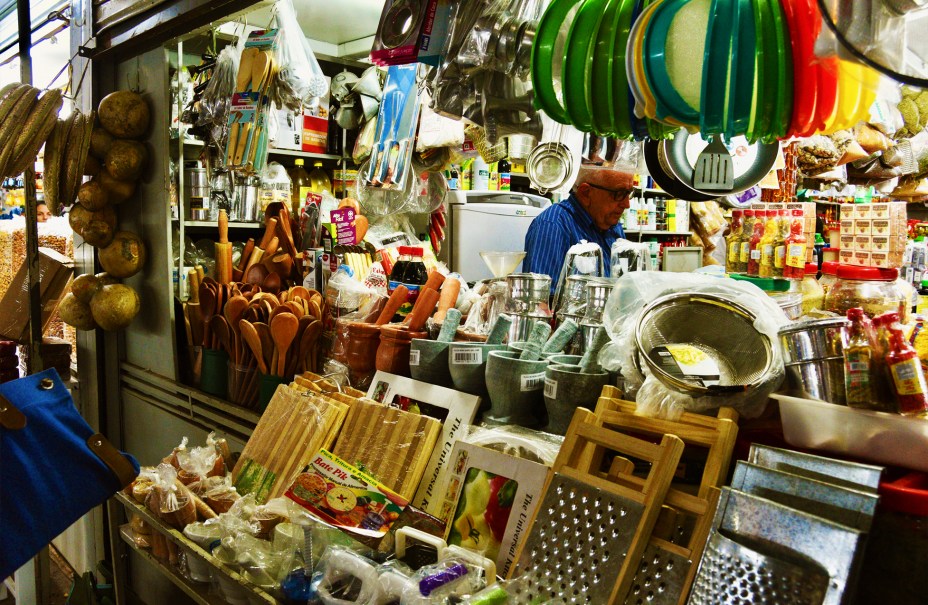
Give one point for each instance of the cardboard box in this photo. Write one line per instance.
(880, 259)
(862, 226)
(847, 256)
(862, 258)
(847, 227)
(55, 272)
(880, 227)
(880, 243)
(847, 242)
(454, 409)
(289, 130)
(862, 243)
(495, 531)
(862, 211)
(316, 124)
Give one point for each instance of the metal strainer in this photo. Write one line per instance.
(720, 330)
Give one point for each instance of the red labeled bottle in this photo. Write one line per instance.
(795, 249)
(756, 236)
(908, 376)
(858, 360)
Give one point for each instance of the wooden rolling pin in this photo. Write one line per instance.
(223, 251)
(423, 308)
(435, 280)
(395, 301)
(258, 253)
(449, 296)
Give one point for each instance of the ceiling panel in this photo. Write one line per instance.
(332, 21)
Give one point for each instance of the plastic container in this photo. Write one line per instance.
(267, 386)
(875, 290)
(299, 185)
(829, 276)
(872, 436)
(786, 293)
(318, 180)
(215, 371)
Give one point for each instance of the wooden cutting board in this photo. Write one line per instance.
(295, 425)
(392, 445)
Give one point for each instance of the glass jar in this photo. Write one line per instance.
(813, 295)
(829, 275)
(786, 293)
(869, 287)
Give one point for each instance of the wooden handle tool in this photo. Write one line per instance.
(395, 301)
(423, 308)
(449, 296)
(246, 254)
(435, 280)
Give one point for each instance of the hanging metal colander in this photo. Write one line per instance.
(710, 327)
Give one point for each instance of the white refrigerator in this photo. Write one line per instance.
(484, 221)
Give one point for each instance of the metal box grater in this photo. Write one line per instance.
(864, 477)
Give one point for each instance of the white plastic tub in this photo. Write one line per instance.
(874, 436)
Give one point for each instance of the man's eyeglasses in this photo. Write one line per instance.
(617, 194)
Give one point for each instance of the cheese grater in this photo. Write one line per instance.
(864, 477)
(850, 507)
(590, 532)
(754, 538)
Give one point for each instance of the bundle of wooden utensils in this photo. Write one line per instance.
(264, 333)
(271, 263)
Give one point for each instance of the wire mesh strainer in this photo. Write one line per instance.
(720, 329)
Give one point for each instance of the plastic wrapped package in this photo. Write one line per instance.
(305, 422)
(219, 493)
(169, 501)
(143, 484)
(216, 99)
(624, 309)
(485, 310)
(347, 577)
(516, 441)
(506, 592)
(300, 79)
(629, 256)
(275, 186)
(448, 581)
(198, 463)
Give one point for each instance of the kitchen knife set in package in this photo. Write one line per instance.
(396, 129)
(411, 31)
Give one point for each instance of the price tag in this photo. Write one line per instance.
(414, 357)
(533, 382)
(550, 388)
(467, 357)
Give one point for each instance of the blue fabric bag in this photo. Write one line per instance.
(54, 468)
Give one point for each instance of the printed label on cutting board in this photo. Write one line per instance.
(467, 357)
(550, 388)
(533, 382)
(414, 357)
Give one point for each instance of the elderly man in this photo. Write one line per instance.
(591, 213)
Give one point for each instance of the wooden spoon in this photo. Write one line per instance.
(272, 283)
(308, 349)
(223, 332)
(233, 312)
(207, 310)
(256, 274)
(253, 340)
(267, 343)
(283, 330)
(299, 292)
(296, 308)
(293, 360)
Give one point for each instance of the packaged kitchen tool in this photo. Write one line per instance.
(396, 129)
(412, 32)
(343, 495)
(702, 344)
(300, 78)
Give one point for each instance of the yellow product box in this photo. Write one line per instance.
(863, 211)
(879, 210)
(847, 227)
(847, 256)
(862, 226)
(862, 258)
(776, 206)
(880, 226)
(847, 242)
(862, 243)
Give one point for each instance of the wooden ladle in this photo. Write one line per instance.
(283, 331)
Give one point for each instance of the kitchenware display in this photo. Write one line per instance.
(669, 105)
(813, 353)
(750, 162)
(659, 169)
(549, 166)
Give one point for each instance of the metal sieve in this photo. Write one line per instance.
(721, 329)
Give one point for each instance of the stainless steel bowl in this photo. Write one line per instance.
(813, 352)
(821, 379)
(529, 287)
(597, 293)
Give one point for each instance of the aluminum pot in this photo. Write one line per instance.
(597, 293)
(813, 352)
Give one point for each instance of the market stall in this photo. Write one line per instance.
(343, 387)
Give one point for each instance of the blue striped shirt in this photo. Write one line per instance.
(559, 227)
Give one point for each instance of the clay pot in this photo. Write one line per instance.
(428, 362)
(222, 501)
(393, 352)
(361, 345)
(566, 389)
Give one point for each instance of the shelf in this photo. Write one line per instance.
(656, 191)
(650, 232)
(519, 175)
(192, 589)
(215, 224)
(189, 142)
(305, 154)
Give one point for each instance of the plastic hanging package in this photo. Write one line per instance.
(517, 441)
(635, 291)
(216, 99)
(347, 577)
(448, 581)
(629, 256)
(300, 78)
(168, 499)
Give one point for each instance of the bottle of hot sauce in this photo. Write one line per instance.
(908, 376)
(795, 249)
(756, 236)
(859, 367)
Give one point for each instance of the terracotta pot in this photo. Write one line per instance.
(361, 345)
(393, 352)
(222, 502)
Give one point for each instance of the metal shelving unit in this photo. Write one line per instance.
(656, 232)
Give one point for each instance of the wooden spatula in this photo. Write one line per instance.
(283, 330)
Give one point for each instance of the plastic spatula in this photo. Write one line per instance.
(713, 170)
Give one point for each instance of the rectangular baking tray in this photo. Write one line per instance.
(874, 436)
